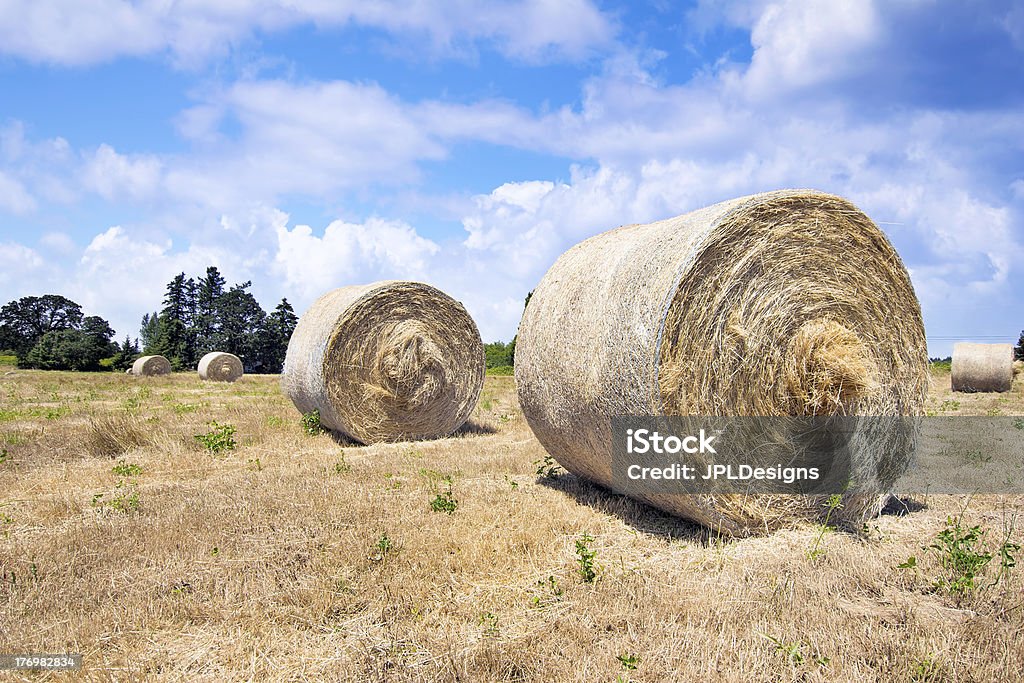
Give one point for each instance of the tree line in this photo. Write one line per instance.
(199, 316)
(51, 332)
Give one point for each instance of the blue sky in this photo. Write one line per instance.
(306, 144)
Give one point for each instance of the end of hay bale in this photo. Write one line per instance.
(981, 367)
(218, 366)
(828, 370)
(389, 361)
(150, 366)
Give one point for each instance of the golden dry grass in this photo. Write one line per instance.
(270, 562)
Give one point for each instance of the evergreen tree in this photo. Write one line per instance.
(209, 290)
(175, 339)
(1018, 353)
(241, 318)
(150, 331)
(273, 337)
(126, 354)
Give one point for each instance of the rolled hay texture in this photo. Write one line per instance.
(148, 366)
(388, 361)
(982, 367)
(220, 367)
(783, 303)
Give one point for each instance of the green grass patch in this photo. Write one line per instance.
(501, 371)
(8, 360)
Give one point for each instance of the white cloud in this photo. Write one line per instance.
(122, 274)
(18, 263)
(58, 242)
(349, 253)
(798, 43)
(114, 175)
(13, 195)
(77, 32)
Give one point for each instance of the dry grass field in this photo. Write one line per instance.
(293, 557)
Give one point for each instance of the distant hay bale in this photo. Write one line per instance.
(783, 303)
(220, 367)
(148, 366)
(982, 367)
(388, 361)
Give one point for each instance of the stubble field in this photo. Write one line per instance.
(297, 557)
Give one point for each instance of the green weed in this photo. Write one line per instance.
(546, 592)
(489, 621)
(311, 423)
(126, 469)
(587, 556)
(794, 652)
(964, 556)
(834, 502)
(221, 437)
(629, 660)
(547, 467)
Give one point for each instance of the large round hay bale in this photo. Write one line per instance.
(982, 367)
(148, 366)
(783, 303)
(217, 366)
(388, 361)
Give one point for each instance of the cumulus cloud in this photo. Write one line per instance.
(13, 195)
(799, 43)
(114, 175)
(78, 32)
(19, 264)
(350, 253)
(58, 242)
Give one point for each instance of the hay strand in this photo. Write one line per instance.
(388, 361)
(784, 303)
(217, 366)
(982, 367)
(148, 366)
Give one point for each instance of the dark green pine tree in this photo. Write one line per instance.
(149, 333)
(175, 340)
(126, 354)
(241, 318)
(1018, 353)
(274, 335)
(209, 289)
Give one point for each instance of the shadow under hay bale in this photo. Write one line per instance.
(640, 516)
(150, 366)
(982, 367)
(788, 303)
(389, 361)
(220, 367)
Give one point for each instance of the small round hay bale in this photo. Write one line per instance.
(148, 366)
(218, 366)
(982, 367)
(783, 303)
(388, 361)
